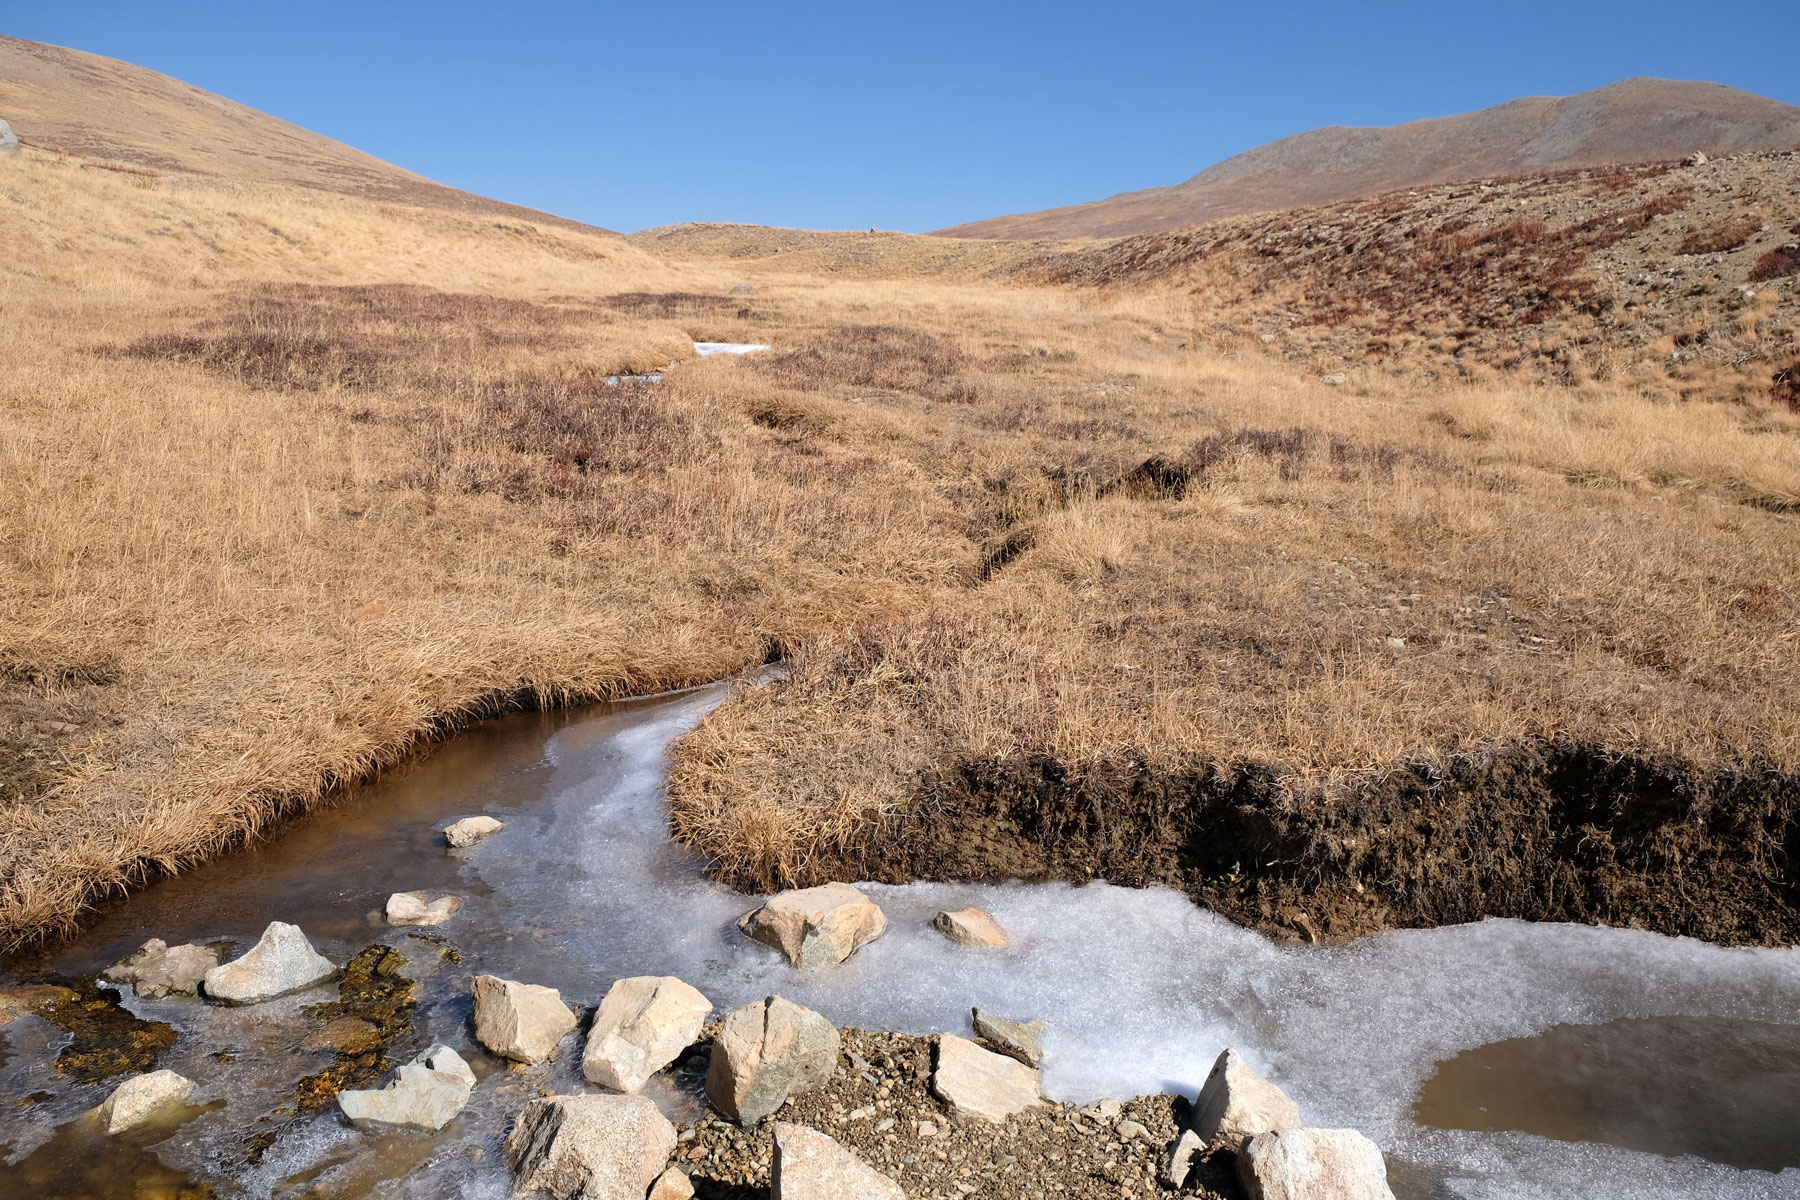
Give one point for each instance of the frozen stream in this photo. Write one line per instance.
(1141, 988)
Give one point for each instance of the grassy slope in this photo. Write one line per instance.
(301, 478)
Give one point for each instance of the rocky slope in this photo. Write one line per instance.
(1635, 120)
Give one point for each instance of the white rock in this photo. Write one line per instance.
(424, 1094)
(1313, 1164)
(810, 1166)
(597, 1147)
(1332, 380)
(817, 926)
(641, 1027)
(766, 1052)
(672, 1184)
(9, 141)
(520, 1021)
(282, 961)
(470, 830)
(157, 969)
(979, 1083)
(412, 908)
(1181, 1159)
(972, 927)
(138, 1099)
(1016, 1039)
(1236, 1104)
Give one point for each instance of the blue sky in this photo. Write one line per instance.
(907, 117)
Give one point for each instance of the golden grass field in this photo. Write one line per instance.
(298, 480)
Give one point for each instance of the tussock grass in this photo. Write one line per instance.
(298, 482)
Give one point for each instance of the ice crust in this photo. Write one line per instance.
(1141, 990)
(705, 348)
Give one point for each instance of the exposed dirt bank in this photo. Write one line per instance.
(1550, 832)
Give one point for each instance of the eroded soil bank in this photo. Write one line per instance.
(1551, 832)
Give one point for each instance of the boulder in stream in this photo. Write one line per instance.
(1313, 1164)
(816, 926)
(972, 927)
(979, 1083)
(1015, 1039)
(470, 830)
(1236, 1104)
(766, 1052)
(591, 1147)
(520, 1021)
(157, 969)
(282, 961)
(412, 908)
(424, 1094)
(641, 1027)
(810, 1166)
(140, 1097)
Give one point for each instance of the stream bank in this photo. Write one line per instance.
(1141, 988)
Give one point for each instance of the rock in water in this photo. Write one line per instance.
(972, 927)
(1015, 1039)
(672, 1184)
(641, 1027)
(520, 1021)
(1313, 1164)
(470, 830)
(810, 1166)
(817, 926)
(282, 961)
(979, 1083)
(412, 908)
(157, 969)
(1236, 1104)
(9, 141)
(425, 1094)
(766, 1052)
(607, 1147)
(138, 1098)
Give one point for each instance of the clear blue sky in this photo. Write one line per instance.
(910, 116)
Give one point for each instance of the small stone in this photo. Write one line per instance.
(1104, 1109)
(412, 908)
(978, 1083)
(1394, 643)
(810, 1166)
(1183, 1156)
(817, 926)
(138, 1099)
(742, 289)
(1236, 1104)
(1015, 1039)
(9, 141)
(641, 1027)
(282, 961)
(1313, 1164)
(157, 969)
(672, 1184)
(1696, 159)
(470, 830)
(590, 1147)
(520, 1021)
(1332, 380)
(766, 1052)
(1129, 1130)
(424, 1094)
(972, 927)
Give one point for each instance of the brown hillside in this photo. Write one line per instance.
(1636, 120)
(100, 108)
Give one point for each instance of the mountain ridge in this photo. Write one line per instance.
(1640, 119)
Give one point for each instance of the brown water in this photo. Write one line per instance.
(1723, 1090)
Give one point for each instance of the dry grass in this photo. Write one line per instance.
(299, 481)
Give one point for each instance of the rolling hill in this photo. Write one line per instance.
(1636, 120)
(102, 109)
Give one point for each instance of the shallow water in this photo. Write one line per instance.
(1142, 989)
